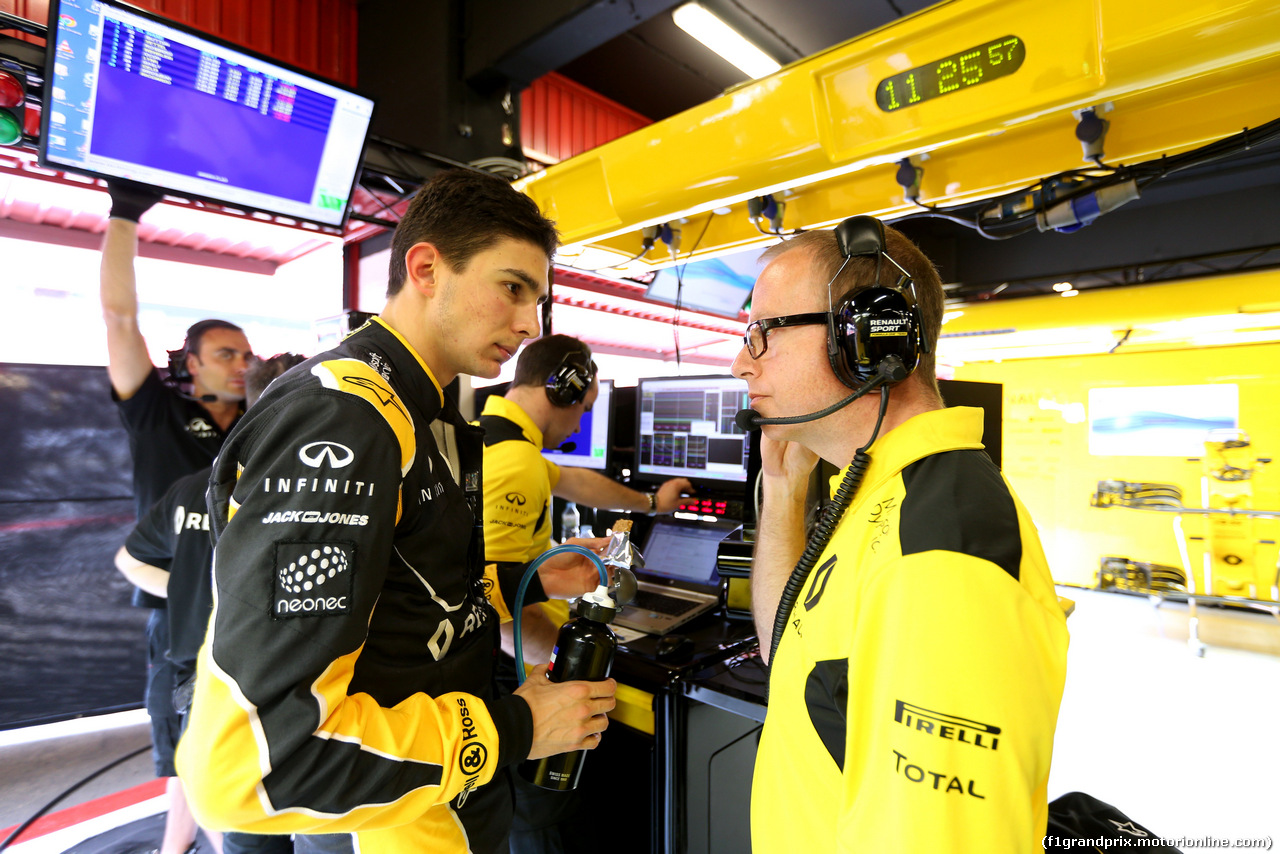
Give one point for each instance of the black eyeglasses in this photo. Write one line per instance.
(757, 337)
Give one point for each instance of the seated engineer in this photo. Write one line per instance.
(915, 687)
(555, 383)
(169, 554)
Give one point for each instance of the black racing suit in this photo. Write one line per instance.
(346, 681)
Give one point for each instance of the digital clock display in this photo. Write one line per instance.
(981, 64)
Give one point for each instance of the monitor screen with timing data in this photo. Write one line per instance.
(685, 428)
(130, 95)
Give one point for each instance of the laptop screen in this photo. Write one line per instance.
(683, 553)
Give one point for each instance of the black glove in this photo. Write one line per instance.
(130, 200)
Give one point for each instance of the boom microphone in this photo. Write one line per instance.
(567, 447)
(890, 370)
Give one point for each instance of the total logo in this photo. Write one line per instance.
(333, 454)
(941, 781)
(200, 428)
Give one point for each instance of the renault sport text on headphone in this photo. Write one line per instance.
(867, 326)
(571, 380)
(874, 335)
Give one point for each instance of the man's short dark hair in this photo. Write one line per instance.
(463, 213)
(541, 357)
(261, 372)
(197, 330)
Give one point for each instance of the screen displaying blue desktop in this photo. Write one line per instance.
(130, 95)
(594, 438)
(716, 285)
(685, 428)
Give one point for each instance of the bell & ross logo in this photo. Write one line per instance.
(473, 756)
(317, 454)
(312, 579)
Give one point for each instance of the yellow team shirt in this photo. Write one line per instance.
(915, 691)
(518, 482)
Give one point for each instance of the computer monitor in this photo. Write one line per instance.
(719, 286)
(685, 428)
(130, 95)
(594, 438)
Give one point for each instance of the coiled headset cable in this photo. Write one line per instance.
(826, 526)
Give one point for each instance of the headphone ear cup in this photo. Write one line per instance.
(869, 326)
(569, 382)
(178, 371)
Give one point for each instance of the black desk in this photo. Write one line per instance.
(699, 724)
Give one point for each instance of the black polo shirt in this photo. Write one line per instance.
(174, 535)
(169, 436)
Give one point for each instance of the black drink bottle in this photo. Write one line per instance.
(584, 651)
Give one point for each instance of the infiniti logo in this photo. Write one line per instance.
(317, 453)
(515, 498)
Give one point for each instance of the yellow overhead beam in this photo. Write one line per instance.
(1246, 294)
(1178, 74)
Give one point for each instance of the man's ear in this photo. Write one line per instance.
(422, 267)
(193, 365)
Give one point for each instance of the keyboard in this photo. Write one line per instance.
(658, 603)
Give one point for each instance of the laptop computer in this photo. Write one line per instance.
(679, 579)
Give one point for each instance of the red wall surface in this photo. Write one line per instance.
(315, 35)
(560, 118)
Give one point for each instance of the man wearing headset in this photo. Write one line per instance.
(169, 554)
(172, 433)
(915, 685)
(555, 383)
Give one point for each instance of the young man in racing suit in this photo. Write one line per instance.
(915, 691)
(344, 690)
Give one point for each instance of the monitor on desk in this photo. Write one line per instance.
(592, 443)
(131, 95)
(685, 428)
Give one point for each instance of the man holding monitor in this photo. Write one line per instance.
(169, 554)
(344, 692)
(915, 688)
(172, 432)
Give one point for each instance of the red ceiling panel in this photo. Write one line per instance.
(561, 118)
(315, 35)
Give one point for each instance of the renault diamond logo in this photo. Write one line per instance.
(317, 453)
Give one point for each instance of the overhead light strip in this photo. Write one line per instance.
(704, 26)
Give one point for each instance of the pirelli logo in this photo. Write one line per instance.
(943, 725)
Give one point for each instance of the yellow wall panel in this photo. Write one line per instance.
(1048, 462)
